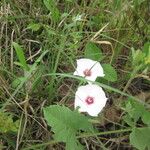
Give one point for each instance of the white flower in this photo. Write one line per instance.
(89, 69)
(90, 98)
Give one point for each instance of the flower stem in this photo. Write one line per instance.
(104, 133)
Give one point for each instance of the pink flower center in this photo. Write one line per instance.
(89, 100)
(87, 72)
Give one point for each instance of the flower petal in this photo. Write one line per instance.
(94, 91)
(94, 67)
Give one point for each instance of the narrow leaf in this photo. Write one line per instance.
(20, 55)
(51, 6)
(34, 26)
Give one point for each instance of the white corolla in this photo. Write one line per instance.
(89, 69)
(90, 98)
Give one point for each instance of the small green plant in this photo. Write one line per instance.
(7, 124)
(21, 56)
(138, 117)
(66, 125)
(140, 64)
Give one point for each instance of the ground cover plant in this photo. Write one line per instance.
(74, 74)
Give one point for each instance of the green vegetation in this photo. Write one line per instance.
(40, 41)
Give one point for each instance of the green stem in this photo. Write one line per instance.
(98, 83)
(103, 133)
(133, 75)
(85, 135)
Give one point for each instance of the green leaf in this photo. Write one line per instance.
(134, 109)
(65, 124)
(137, 57)
(7, 124)
(93, 52)
(140, 138)
(20, 55)
(17, 81)
(129, 120)
(51, 6)
(73, 144)
(146, 48)
(146, 117)
(146, 51)
(34, 26)
(110, 73)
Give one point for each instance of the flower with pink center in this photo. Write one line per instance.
(90, 98)
(89, 69)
